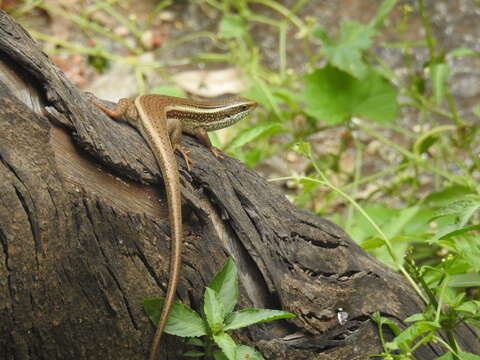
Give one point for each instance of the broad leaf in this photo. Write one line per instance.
(247, 317)
(463, 208)
(214, 310)
(182, 320)
(454, 230)
(246, 352)
(471, 307)
(219, 355)
(468, 356)
(346, 52)
(465, 280)
(334, 96)
(320, 33)
(447, 195)
(226, 344)
(411, 333)
(397, 224)
(469, 248)
(225, 284)
(461, 355)
(383, 321)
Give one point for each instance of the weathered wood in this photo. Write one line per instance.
(82, 241)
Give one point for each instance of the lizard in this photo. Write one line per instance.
(161, 119)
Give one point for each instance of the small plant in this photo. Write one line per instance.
(217, 317)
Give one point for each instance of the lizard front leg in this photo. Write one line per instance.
(202, 135)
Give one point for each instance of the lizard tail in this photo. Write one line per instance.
(175, 265)
(172, 186)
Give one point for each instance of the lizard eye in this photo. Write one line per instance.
(244, 107)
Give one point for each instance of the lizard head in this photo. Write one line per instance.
(229, 112)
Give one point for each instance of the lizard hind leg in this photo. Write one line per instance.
(123, 109)
(175, 134)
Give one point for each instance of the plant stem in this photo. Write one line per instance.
(426, 26)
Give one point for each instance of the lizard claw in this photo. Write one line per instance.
(216, 152)
(187, 159)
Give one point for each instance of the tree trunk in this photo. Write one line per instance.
(84, 238)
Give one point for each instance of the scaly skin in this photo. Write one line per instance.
(161, 120)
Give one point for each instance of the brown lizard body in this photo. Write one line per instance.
(161, 120)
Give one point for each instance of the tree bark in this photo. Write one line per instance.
(84, 238)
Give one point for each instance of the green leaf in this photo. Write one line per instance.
(415, 317)
(408, 335)
(247, 353)
(346, 52)
(372, 243)
(214, 311)
(382, 321)
(447, 195)
(250, 157)
(225, 284)
(170, 91)
(453, 230)
(334, 96)
(397, 224)
(194, 354)
(471, 307)
(461, 52)
(320, 33)
(195, 342)
(226, 344)
(247, 317)
(382, 11)
(182, 320)
(439, 74)
(219, 355)
(232, 26)
(463, 208)
(361, 229)
(464, 280)
(468, 356)
(254, 132)
(469, 248)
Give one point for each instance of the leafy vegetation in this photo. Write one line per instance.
(417, 210)
(218, 317)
